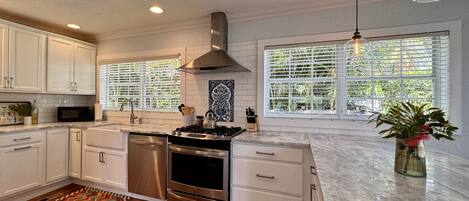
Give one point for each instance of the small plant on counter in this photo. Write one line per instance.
(411, 124)
(25, 110)
(22, 109)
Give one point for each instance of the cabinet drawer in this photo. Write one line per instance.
(275, 176)
(269, 152)
(241, 194)
(21, 138)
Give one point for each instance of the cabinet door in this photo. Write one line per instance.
(85, 68)
(4, 57)
(56, 155)
(21, 168)
(75, 153)
(59, 65)
(27, 60)
(93, 167)
(116, 169)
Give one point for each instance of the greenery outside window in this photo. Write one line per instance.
(154, 84)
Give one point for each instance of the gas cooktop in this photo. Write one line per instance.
(199, 132)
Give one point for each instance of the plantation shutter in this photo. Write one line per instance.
(301, 79)
(307, 80)
(406, 68)
(153, 84)
(118, 82)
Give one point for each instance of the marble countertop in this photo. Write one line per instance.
(160, 129)
(362, 168)
(88, 124)
(274, 137)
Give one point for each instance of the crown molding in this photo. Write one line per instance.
(205, 21)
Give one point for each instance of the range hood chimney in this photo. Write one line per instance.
(217, 59)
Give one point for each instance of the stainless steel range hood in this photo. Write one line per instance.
(217, 59)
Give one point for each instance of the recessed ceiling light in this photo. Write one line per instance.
(73, 26)
(425, 1)
(156, 9)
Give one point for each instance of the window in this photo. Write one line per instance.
(322, 79)
(302, 80)
(155, 85)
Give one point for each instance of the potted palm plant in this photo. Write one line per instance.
(411, 124)
(25, 110)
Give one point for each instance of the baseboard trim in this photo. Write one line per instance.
(30, 194)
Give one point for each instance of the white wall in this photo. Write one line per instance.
(389, 13)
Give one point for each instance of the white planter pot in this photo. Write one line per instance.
(27, 120)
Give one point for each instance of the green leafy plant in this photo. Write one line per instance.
(412, 121)
(23, 109)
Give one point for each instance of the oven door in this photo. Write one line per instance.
(198, 171)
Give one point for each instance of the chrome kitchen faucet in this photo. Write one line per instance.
(132, 115)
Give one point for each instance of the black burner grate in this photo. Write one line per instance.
(221, 130)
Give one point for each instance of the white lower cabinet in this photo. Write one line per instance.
(243, 194)
(22, 164)
(105, 166)
(57, 154)
(75, 139)
(273, 173)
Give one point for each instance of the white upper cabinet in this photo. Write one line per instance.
(26, 60)
(59, 65)
(71, 67)
(85, 69)
(3, 57)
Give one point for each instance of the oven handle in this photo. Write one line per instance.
(198, 151)
(186, 197)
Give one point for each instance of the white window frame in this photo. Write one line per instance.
(455, 91)
(132, 56)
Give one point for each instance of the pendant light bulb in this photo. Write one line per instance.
(358, 43)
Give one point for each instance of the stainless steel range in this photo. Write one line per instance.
(199, 163)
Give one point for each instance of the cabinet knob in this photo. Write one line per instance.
(11, 82)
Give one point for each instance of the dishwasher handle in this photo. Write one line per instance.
(146, 142)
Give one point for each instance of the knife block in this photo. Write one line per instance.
(252, 127)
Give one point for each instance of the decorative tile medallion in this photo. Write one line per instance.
(221, 99)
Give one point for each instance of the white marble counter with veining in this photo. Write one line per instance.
(274, 137)
(160, 129)
(358, 168)
(18, 128)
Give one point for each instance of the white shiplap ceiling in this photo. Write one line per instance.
(115, 18)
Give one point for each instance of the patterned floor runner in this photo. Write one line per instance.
(92, 194)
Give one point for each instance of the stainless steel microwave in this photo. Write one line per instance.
(68, 114)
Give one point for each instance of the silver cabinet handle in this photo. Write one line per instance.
(265, 177)
(76, 86)
(71, 86)
(78, 136)
(312, 191)
(21, 139)
(264, 153)
(313, 172)
(101, 157)
(7, 82)
(11, 82)
(21, 148)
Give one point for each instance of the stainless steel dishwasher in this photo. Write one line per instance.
(147, 165)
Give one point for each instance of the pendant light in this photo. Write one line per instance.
(358, 43)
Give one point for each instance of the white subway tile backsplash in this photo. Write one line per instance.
(47, 103)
